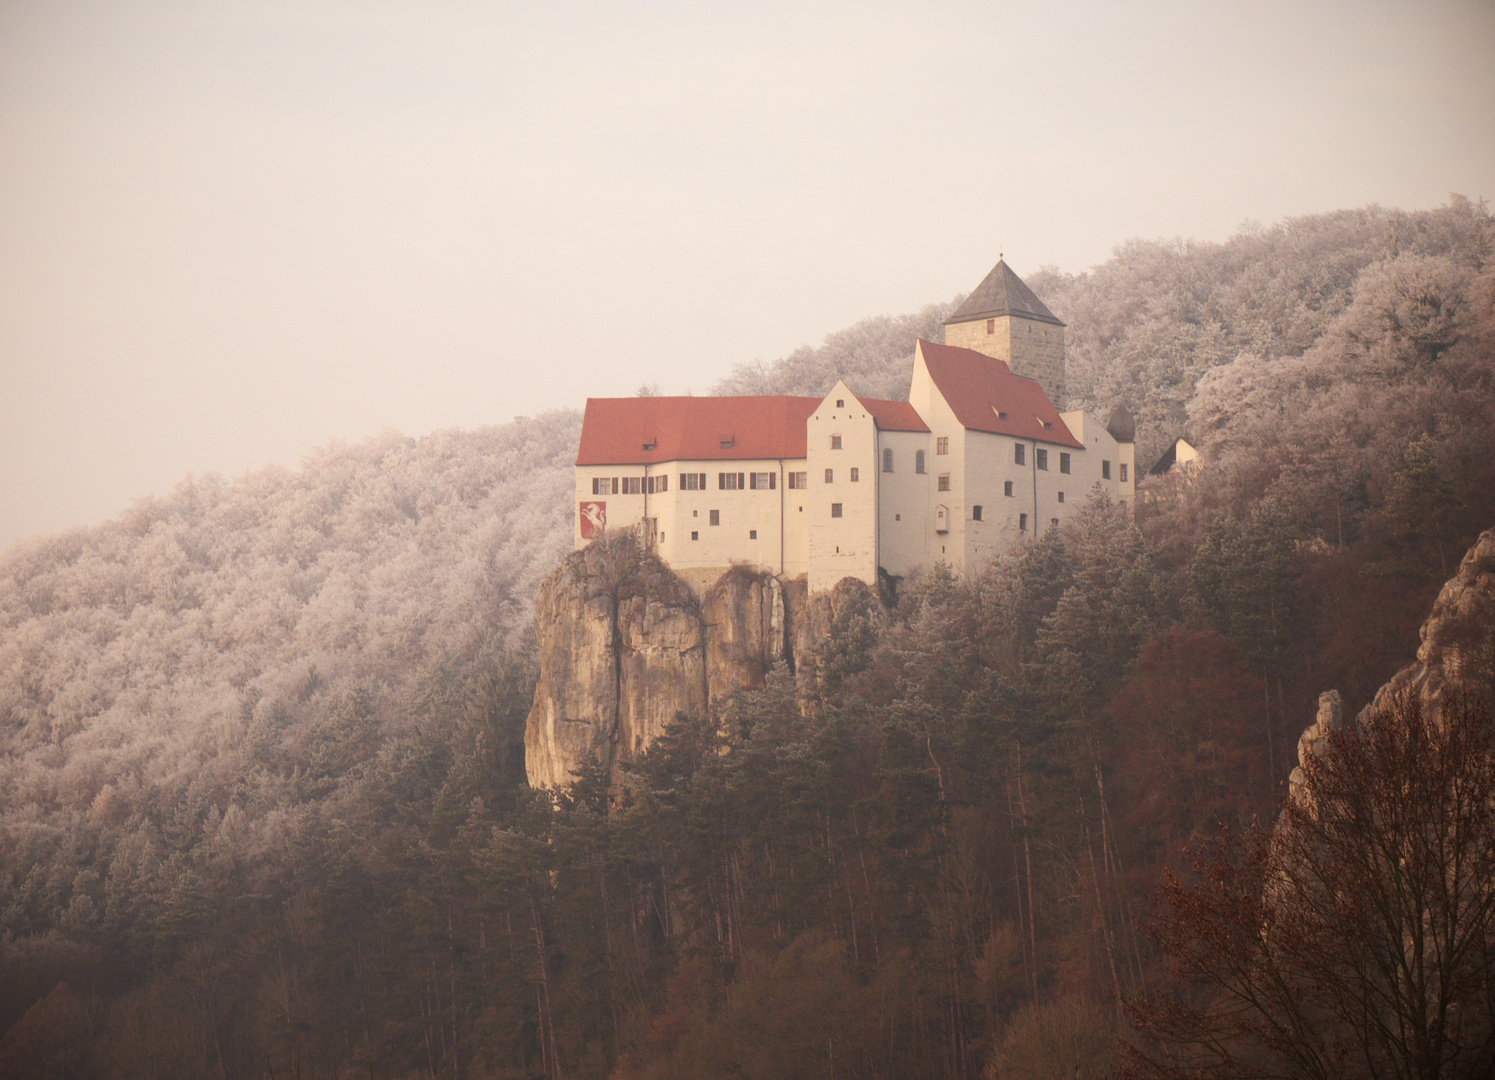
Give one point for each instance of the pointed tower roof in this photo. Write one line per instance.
(1000, 293)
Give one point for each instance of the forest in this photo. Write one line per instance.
(262, 798)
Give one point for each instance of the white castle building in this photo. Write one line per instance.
(978, 459)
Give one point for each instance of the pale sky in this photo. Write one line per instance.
(232, 231)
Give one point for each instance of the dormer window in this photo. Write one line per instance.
(1001, 415)
(648, 446)
(727, 442)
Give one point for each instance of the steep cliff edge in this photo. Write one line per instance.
(1457, 652)
(625, 645)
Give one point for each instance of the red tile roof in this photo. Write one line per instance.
(894, 415)
(615, 431)
(981, 389)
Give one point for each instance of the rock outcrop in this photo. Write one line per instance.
(1458, 639)
(625, 646)
(622, 650)
(1457, 652)
(746, 630)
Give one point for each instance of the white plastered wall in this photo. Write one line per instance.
(673, 516)
(903, 503)
(1100, 447)
(947, 546)
(845, 546)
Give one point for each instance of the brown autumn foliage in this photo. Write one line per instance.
(1357, 936)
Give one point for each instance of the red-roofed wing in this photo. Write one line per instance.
(614, 431)
(986, 396)
(894, 415)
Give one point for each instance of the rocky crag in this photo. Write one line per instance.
(1457, 654)
(625, 646)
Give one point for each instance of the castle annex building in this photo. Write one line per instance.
(978, 459)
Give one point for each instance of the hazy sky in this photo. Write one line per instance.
(231, 231)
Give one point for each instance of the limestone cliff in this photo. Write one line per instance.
(1457, 651)
(625, 645)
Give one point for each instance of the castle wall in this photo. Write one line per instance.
(842, 512)
(903, 525)
(1101, 447)
(988, 468)
(751, 526)
(944, 529)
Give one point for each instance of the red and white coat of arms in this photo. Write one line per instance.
(593, 519)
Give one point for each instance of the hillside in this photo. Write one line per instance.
(202, 673)
(262, 798)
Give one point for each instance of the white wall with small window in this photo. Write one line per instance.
(841, 511)
(903, 501)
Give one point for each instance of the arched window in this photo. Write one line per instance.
(918, 461)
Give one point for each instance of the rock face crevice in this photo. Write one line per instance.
(625, 646)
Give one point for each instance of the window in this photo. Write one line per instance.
(633, 485)
(728, 442)
(991, 326)
(692, 481)
(943, 483)
(835, 442)
(1022, 523)
(1063, 462)
(830, 476)
(663, 484)
(840, 403)
(716, 517)
(942, 445)
(856, 474)
(695, 536)
(1053, 523)
(1123, 472)
(752, 534)
(1041, 457)
(1020, 454)
(835, 509)
(1105, 470)
(887, 461)
(918, 461)
(763, 481)
(975, 513)
(731, 481)
(1007, 489)
(601, 485)
(798, 481)
(1061, 496)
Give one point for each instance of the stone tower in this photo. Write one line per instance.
(1003, 318)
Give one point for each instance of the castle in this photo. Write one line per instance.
(978, 459)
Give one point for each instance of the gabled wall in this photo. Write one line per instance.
(844, 546)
